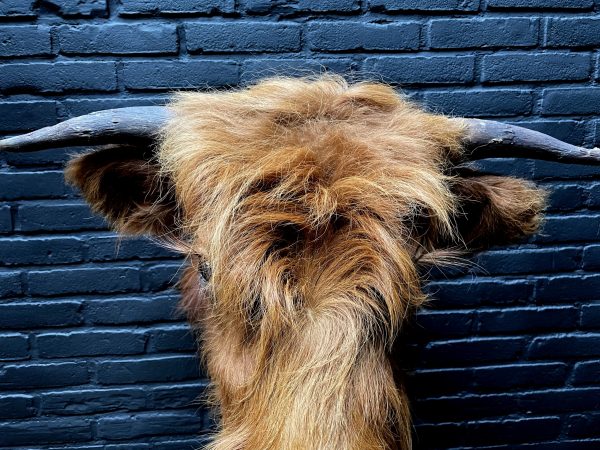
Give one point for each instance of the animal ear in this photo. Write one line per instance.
(124, 184)
(495, 210)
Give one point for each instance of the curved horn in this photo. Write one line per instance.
(119, 125)
(490, 139)
(485, 138)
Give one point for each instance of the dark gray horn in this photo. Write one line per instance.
(484, 139)
(491, 139)
(111, 126)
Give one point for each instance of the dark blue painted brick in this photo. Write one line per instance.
(58, 77)
(476, 434)
(98, 279)
(431, 5)
(14, 346)
(514, 67)
(566, 197)
(483, 33)
(347, 35)
(35, 314)
(112, 248)
(465, 407)
(243, 37)
(529, 260)
(512, 430)
(299, 6)
(167, 75)
(45, 430)
(16, 7)
(567, 288)
(79, 107)
(147, 424)
(78, 8)
(561, 400)
(575, 227)
(255, 69)
(591, 257)
(445, 323)
(584, 100)
(177, 396)
(541, 4)
(133, 7)
(166, 368)
(572, 131)
(528, 319)
(497, 378)
(25, 40)
(90, 343)
(563, 444)
(40, 250)
(118, 39)
(548, 170)
(21, 184)
(422, 69)
(159, 276)
(565, 346)
(176, 338)
(10, 284)
(522, 168)
(57, 216)
(132, 310)
(590, 316)
(573, 32)
(544, 401)
(46, 159)
(480, 291)
(16, 406)
(519, 376)
(481, 103)
(22, 116)
(593, 200)
(93, 401)
(439, 435)
(587, 372)
(470, 351)
(182, 444)
(23, 376)
(130, 446)
(328, 5)
(583, 425)
(5, 219)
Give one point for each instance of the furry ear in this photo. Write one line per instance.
(495, 210)
(124, 184)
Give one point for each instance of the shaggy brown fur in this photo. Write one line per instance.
(313, 202)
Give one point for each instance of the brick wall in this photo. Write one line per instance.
(92, 352)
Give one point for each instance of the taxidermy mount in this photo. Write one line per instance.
(306, 208)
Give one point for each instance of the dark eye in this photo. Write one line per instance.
(204, 271)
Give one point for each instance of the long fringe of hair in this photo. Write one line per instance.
(302, 195)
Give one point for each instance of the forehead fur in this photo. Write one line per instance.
(327, 146)
(281, 181)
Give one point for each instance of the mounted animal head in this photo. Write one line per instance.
(306, 208)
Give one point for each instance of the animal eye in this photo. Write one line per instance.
(204, 271)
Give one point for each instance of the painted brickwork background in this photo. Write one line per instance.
(93, 355)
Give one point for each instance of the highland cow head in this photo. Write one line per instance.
(305, 208)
